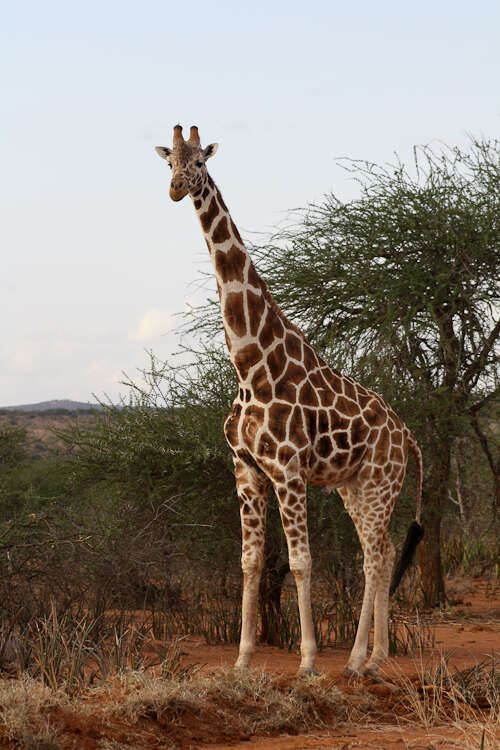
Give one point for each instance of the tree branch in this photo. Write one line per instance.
(476, 366)
(486, 400)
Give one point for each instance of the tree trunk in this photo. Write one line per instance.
(435, 491)
(430, 562)
(493, 463)
(271, 584)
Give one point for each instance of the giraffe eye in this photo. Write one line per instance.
(169, 164)
(199, 163)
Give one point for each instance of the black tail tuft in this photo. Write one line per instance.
(415, 534)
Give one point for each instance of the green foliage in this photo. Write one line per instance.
(169, 434)
(404, 279)
(12, 445)
(166, 448)
(472, 555)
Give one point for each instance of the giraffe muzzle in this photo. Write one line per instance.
(178, 189)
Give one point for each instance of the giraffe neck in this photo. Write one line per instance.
(252, 320)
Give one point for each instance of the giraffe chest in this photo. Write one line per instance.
(287, 438)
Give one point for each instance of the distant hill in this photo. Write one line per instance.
(58, 403)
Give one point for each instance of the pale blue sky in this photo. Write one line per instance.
(95, 256)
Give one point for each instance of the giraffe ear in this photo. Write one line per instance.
(163, 151)
(210, 150)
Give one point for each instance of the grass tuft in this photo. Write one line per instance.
(439, 693)
(242, 702)
(24, 705)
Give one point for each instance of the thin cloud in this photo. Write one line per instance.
(155, 322)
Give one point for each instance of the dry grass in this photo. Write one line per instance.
(224, 704)
(24, 705)
(227, 705)
(82, 682)
(249, 702)
(480, 735)
(440, 694)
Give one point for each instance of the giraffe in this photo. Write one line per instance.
(295, 421)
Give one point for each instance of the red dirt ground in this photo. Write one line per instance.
(468, 633)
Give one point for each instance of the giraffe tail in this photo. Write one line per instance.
(415, 532)
(413, 446)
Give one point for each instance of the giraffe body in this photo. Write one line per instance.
(295, 421)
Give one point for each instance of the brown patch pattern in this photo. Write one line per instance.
(246, 358)
(209, 215)
(234, 313)
(256, 307)
(230, 265)
(221, 233)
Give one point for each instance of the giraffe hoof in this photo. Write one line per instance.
(376, 678)
(241, 668)
(372, 673)
(308, 672)
(348, 672)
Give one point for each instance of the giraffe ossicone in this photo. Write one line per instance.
(295, 421)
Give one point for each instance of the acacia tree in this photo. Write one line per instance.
(400, 287)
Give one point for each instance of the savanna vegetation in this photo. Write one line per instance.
(134, 509)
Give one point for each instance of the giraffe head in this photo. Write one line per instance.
(187, 162)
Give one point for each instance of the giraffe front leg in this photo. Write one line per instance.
(300, 565)
(251, 564)
(294, 518)
(252, 489)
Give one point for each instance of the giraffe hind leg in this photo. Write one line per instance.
(381, 611)
(378, 554)
(359, 650)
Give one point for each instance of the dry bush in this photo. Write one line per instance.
(439, 694)
(243, 702)
(24, 705)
